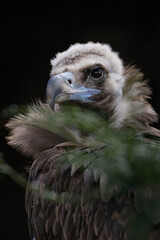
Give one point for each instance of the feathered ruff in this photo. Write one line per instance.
(132, 109)
(28, 133)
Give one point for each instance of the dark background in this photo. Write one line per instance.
(32, 34)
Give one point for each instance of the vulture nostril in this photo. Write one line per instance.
(69, 81)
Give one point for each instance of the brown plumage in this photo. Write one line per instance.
(121, 98)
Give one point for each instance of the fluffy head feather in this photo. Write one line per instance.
(81, 56)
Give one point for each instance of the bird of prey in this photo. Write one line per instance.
(93, 76)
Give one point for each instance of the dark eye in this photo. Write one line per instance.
(97, 73)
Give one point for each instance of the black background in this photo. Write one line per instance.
(32, 34)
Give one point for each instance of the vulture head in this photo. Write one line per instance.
(83, 72)
(93, 76)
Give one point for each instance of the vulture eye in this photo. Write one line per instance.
(97, 73)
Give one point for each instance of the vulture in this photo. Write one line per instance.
(92, 76)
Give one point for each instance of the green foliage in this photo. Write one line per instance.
(129, 162)
(11, 110)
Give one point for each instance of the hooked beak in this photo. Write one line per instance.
(63, 87)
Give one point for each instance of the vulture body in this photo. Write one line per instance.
(93, 76)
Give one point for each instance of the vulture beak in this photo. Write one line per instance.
(63, 87)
